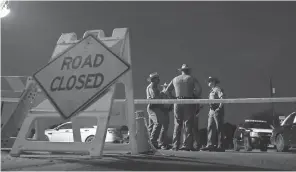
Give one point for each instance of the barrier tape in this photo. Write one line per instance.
(196, 101)
(208, 101)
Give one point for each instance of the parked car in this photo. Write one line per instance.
(284, 136)
(252, 134)
(64, 133)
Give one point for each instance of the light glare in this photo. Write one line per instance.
(4, 11)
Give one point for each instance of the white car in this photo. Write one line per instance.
(64, 133)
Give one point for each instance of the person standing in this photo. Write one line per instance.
(186, 87)
(155, 111)
(167, 108)
(196, 136)
(216, 117)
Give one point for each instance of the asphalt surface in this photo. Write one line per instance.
(116, 158)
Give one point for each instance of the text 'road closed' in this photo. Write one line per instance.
(82, 81)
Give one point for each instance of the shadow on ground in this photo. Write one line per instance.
(124, 162)
(155, 163)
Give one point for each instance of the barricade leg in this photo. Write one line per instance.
(22, 137)
(12, 126)
(99, 141)
(127, 80)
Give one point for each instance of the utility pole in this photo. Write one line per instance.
(272, 93)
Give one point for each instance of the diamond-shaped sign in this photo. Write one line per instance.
(78, 76)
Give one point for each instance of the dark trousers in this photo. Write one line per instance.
(155, 123)
(196, 136)
(184, 114)
(163, 138)
(215, 121)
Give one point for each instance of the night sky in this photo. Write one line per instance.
(242, 43)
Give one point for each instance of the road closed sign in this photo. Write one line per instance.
(80, 75)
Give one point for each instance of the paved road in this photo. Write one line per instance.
(115, 158)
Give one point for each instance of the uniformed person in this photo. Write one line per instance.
(155, 111)
(167, 108)
(186, 87)
(216, 117)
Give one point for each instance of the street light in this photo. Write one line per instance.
(4, 11)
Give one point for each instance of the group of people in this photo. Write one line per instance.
(184, 86)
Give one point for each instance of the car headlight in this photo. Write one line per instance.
(254, 134)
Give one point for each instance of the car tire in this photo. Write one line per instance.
(280, 143)
(89, 139)
(247, 144)
(236, 146)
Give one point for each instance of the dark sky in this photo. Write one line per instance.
(242, 43)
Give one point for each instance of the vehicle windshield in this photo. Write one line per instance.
(289, 119)
(261, 125)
